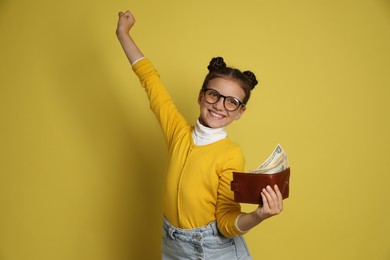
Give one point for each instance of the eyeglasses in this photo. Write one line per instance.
(230, 103)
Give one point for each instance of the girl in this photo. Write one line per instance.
(201, 219)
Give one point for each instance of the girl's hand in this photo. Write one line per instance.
(272, 203)
(125, 22)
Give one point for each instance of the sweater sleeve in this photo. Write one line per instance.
(228, 210)
(161, 103)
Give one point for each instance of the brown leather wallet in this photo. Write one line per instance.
(247, 186)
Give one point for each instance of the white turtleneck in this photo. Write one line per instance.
(203, 135)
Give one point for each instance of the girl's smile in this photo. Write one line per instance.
(215, 115)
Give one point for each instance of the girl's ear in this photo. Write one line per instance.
(240, 113)
(200, 97)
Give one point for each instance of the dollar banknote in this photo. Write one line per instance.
(276, 162)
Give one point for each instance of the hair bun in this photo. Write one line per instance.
(251, 78)
(216, 64)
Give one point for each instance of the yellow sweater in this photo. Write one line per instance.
(197, 189)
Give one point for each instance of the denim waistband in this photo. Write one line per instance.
(196, 233)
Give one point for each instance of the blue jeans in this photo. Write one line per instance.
(201, 243)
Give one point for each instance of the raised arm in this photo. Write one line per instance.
(125, 23)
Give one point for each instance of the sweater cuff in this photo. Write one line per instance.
(137, 61)
(241, 231)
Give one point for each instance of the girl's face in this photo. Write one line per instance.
(215, 115)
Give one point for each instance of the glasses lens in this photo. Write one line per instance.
(212, 96)
(231, 103)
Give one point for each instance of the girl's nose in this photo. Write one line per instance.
(219, 105)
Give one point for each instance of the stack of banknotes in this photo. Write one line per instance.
(277, 162)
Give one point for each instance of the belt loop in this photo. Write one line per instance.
(214, 228)
(171, 233)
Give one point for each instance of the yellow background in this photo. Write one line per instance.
(82, 156)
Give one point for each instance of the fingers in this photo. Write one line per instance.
(126, 14)
(276, 188)
(265, 206)
(272, 200)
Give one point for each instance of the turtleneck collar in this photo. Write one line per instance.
(203, 135)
